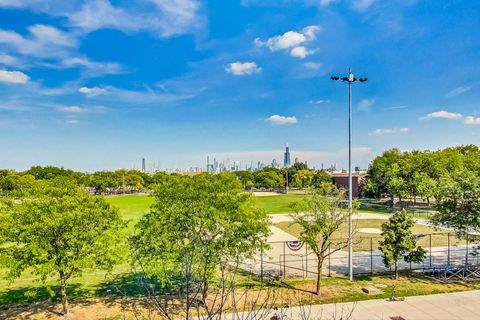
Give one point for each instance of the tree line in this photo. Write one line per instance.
(426, 175)
(134, 181)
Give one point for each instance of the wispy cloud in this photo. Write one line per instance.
(457, 91)
(362, 5)
(320, 101)
(281, 120)
(312, 65)
(243, 68)
(396, 108)
(366, 105)
(164, 18)
(73, 109)
(384, 131)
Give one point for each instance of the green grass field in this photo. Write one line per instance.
(362, 240)
(131, 206)
(278, 204)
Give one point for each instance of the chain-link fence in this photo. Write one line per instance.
(295, 259)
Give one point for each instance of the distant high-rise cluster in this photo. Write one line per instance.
(228, 165)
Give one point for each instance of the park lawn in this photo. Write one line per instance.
(28, 287)
(361, 241)
(131, 206)
(278, 204)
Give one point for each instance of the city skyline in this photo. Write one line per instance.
(96, 85)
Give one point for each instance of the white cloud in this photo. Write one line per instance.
(292, 41)
(381, 132)
(72, 109)
(281, 120)
(13, 77)
(300, 52)
(243, 68)
(92, 92)
(457, 91)
(443, 115)
(362, 5)
(288, 40)
(164, 18)
(471, 120)
(310, 32)
(366, 104)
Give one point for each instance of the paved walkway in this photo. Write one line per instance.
(448, 306)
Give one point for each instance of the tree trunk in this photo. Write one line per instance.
(396, 270)
(63, 293)
(428, 201)
(319, 275)
(391, 201)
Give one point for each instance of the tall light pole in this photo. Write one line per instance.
(350, 78)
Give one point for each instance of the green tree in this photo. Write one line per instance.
(399, 242)
(270, 179)
(247, 178)
(321, 177)
(13, 183)
(458, 203)
(424, 186)
(319, 216)
(196, 224)
(303, 178)
(59, 230)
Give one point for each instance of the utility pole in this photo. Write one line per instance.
(286, 180)
(350, 78)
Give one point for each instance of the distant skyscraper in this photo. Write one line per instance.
(143, 165)
(286, 157)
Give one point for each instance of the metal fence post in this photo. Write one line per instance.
(448, 248)
(466, 254)
(430, 250)
(371, 255)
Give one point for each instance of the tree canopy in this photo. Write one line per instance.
(58, 229)
(195, 224)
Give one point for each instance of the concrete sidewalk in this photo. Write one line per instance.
(449, 306)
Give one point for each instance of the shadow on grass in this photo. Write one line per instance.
(33, 299)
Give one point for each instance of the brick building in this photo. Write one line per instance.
(340, 179)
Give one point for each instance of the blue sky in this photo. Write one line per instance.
(99, 84)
